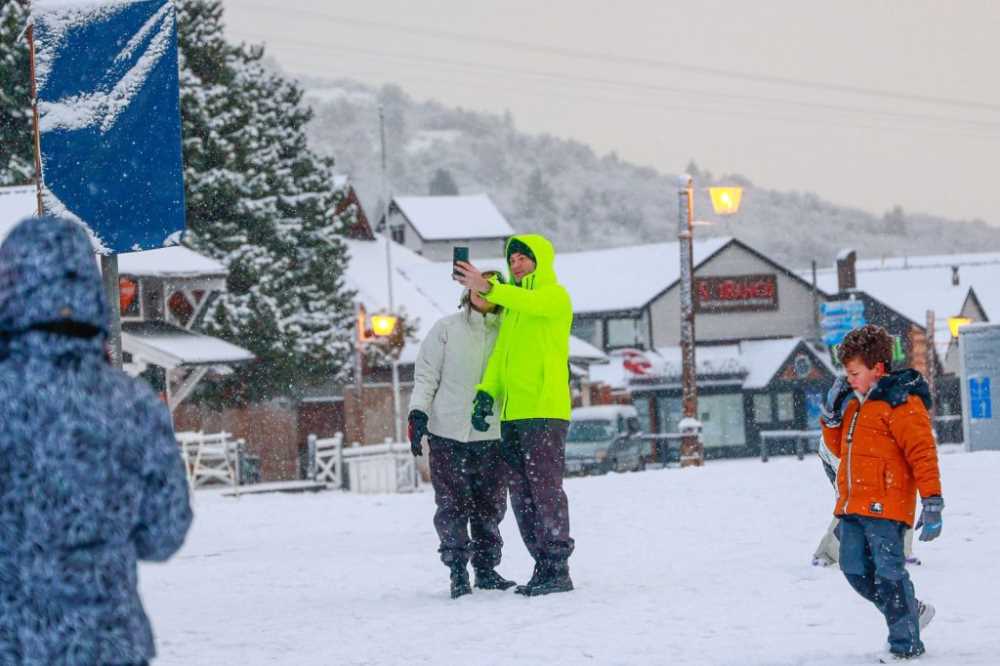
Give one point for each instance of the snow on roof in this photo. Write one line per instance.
(366, 273)
(581, 351)
(926, 284)
(764, 358)
(16, 203)
(622, 278)
(753, 363)
(174, 261)
(169, 346)
(625, 278)
(456, 217)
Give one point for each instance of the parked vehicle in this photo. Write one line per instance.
(605, 438)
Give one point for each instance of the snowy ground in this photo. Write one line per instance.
(695, 566)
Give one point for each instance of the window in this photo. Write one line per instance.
(586, 330)
(590, 431)
(642, 406)
(762, 412)
(668, 413)
(722, 419)
(398, 233)
(786, 406)
(623, 332)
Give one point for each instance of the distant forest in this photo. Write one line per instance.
(583, 200)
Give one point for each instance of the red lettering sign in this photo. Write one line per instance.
(736, 293)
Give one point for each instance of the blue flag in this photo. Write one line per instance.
(108, 99)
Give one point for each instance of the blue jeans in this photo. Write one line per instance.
(871, 557)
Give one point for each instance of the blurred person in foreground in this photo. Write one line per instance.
(877, 423)
(468, 474)
(91, 478)
(527, 380)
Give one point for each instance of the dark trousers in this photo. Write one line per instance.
(872, 559)
(470, 489)
(535, 450)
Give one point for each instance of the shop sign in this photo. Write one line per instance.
(736, 293)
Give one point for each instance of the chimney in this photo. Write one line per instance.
(846, 275)
(954, 276)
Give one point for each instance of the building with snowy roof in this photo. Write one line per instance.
(431, 226)
(629, 297)
(744, 388)
(898, 293)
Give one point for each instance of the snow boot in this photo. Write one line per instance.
(459, 581)
(925, 613)
(537, 576)
(556, 579)
(894, 657)
(489, 579)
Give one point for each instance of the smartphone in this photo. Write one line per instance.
(458, 253)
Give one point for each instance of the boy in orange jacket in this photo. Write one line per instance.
(877, 423)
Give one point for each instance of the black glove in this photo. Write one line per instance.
(836, 401)
(482, 407)
(416, 428)
(930, 518)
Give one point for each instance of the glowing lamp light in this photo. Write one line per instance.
(955, 323)
(383, 325)
(725, 200)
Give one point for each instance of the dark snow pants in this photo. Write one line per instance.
(872, 559)
(535, 449)
(470, 489)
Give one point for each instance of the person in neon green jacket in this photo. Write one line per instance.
(527, 381)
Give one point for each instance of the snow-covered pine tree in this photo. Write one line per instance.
(17, 166)
(262, 203)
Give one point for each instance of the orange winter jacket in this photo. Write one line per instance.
(886, 449)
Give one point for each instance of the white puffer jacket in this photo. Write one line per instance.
(450, 363)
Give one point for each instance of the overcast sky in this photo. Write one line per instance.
(866, 103)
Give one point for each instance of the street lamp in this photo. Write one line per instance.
(955, 323)
(368, 329)
(725, 201)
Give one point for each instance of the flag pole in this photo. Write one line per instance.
(34, 111)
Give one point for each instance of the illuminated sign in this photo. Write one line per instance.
(737, 293)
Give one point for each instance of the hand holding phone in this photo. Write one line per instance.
(458, 253)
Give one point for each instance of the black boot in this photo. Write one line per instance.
(556, 580)
(489, 579)
(537, 576)
(459, 581)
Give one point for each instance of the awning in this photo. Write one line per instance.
(169, 346)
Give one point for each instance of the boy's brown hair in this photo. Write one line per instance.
(872, 344)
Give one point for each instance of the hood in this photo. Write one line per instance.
(48, 275)
(545, 257)
(896, 387)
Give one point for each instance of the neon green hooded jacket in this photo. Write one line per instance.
(528, 373)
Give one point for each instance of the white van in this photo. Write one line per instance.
(604, 438)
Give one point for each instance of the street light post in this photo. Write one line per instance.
(382, 326)
(725, 201)
(692, 452)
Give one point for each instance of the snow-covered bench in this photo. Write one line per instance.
(376, 468)
(210, 457)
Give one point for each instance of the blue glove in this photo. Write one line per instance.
(930, 518)
(482, 407)
(836, 401)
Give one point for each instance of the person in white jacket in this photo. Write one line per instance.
(467, 472)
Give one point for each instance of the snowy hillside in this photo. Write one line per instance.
(697, 566)
(584, 200)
